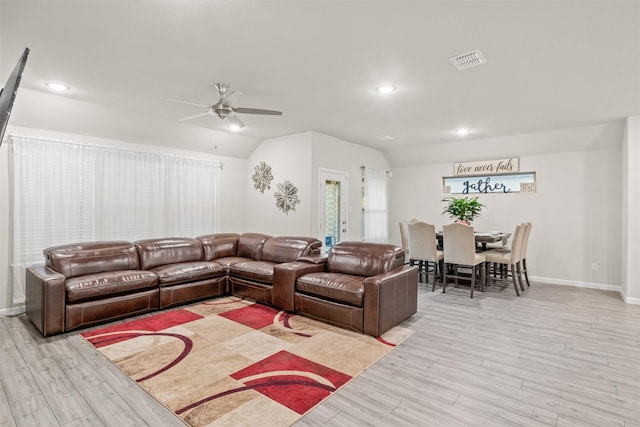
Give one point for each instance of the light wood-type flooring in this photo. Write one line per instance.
(558, 356)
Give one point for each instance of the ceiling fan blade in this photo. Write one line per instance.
(235, 121)
(192, 117)
(257, 111)
(185, 102)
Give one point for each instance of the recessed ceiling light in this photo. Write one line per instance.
(462, 131)
(386, 89)
(58, 87)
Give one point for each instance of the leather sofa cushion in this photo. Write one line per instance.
(250, 245)
(364, 258)
(288, 249)
(219, 245)
(337, 287)
(102, 285)
(227, 262)
(79, 259)
(157, 252)
(173, 274)
(261, 271)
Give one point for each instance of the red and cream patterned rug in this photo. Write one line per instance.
(233, 362)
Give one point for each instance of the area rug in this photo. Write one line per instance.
(234, 362)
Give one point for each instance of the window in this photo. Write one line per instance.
(67, 192)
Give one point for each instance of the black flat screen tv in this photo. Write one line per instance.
(9, 91)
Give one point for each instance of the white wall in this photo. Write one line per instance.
(232, 179)
(290, 159)
(630, 232)
(336, 154)
(299, 158)
(575, 211)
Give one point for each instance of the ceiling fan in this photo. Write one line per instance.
(223, 110)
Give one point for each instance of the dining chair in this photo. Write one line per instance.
(460, 250)
(423, 249)
(503, 246)
(523, 254)
(510, 259)
(404, 238)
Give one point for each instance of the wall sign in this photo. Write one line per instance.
(487, 167)
(524, 182)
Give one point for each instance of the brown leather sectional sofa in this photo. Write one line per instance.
(364, 287)
(359, 286)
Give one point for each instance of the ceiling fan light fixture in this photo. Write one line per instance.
(386, 89)
(234, 127)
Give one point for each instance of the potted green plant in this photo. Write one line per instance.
(462, 209)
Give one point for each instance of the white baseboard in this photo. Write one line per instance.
(590, 285)
(13, 311)
(601, 286)
(629, 300)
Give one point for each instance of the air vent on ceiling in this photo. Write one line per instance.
(468, 60)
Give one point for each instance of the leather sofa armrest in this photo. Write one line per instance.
(45, 299)
(314, 259)
(284, 281)
(390, 298)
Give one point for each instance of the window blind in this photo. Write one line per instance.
(69, 192)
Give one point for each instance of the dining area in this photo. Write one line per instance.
(459, 255)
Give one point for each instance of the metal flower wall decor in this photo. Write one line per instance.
(286, 197)
(262, 177)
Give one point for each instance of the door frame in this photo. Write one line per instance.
(343, 178)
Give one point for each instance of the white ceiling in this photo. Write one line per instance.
(551, 65)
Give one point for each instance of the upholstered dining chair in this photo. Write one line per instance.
(523, 254)
(423, 249)
(404, 238)
(459, 246)
(509, 258)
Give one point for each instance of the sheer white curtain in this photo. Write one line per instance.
(375, 228)
(193, 191)
(52, 201)
(131, 196)
(68, 192)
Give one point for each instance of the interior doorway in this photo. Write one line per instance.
(333, 207)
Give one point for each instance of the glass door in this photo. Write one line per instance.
(333, 202)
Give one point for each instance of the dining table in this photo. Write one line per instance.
(482, 238)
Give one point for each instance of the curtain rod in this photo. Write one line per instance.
(102, 147)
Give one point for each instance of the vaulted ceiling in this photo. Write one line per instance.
(550, 65)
